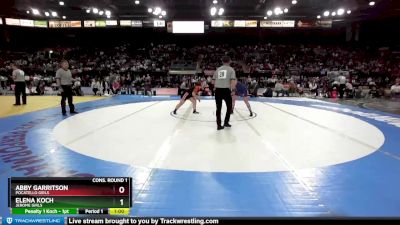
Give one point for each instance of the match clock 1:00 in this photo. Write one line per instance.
(119, 211)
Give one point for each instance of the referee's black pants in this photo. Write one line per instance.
(20, 89)
(223, 94)
(67, 94)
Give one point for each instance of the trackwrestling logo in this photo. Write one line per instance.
(33, 220)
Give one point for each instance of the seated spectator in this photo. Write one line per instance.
(371, 83)
(300, 90)
(279, 89)
(349, 90)
(286, 87)
(358, 92)
(268, 92)
(96, 87)
(40, 88)
(374, 93)
(3, 81)
(253, 88)
(313, 88)
(268, 62)
(76, 88)
(334, 93)
(116, 87)
(395, 89)
(335, 84)
(182, 88)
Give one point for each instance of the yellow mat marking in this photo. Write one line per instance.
(36, 103)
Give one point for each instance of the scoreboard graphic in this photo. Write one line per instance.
(69, 196)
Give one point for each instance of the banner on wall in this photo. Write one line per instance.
(239, 23)
(159, 23)
(12, 22)
(146, 23)
(89, 23)
(65, 24)
(26, 23)
(137, 23)
(111, 23)
(324, 23)
(245, 23)
(314, 24)
(76, 24)
(125, 23)
(277, 23)
(100, 23)
(54, 24)
(60, 24)
(251, 23)
(40, 23)
(222, 23)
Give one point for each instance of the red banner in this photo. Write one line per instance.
(314, 24)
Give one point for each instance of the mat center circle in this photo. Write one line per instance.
(281, 137)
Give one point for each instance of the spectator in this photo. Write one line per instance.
(96, 86)
(374, 93)
(278, 88)
(264, 63)
(334, 93)
(342, 85)
(395, 89)
(116, 87)
(358, 92)
(40, 88)
(76, 88)
(313, 88)
(349, 89)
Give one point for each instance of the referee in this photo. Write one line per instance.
(64, 80)
(224, 80)
(20, 85)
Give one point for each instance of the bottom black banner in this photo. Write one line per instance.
(211, 221)
(140, 221)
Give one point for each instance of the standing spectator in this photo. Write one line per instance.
(127, 84)
(106, 85)
(113, 79)
(20, 87)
